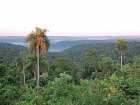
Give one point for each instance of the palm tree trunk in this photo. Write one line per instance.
(37, 66)
(23, 74)
(121, 60)
(35, 72)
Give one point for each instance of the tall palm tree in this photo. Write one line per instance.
(21, 62)
(122, 47)
(32, 64)
(38, 42)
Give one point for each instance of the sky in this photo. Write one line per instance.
(70, 17)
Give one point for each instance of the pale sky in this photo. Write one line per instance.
(100, 17)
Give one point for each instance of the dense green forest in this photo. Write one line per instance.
(62, 45)
(8, 52)
(109, 49)
(86, 74)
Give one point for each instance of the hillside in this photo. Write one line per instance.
(8, 52)
(62, 45)
(109, 49)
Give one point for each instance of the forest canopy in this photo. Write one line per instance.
(86, 74)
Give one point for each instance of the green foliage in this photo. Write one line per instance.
(27, 96)
(2, 70)
(99, 67)
(94, 79)
(8, 94)
(59, 88)
(122, 45)
(77, 53)
(89, 92)
(136, 61)
(8, 52)
(108, 66)
(66, 65)
(8, 86)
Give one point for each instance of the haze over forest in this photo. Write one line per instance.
(60, 43)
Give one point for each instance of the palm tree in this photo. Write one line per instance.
(32, 64)
(38, 42)
(21, 62)
(122, 47)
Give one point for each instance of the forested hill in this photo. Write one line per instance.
(78, 52)
(8, 52)
(62, 45)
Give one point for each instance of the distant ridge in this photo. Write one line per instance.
(60, 43)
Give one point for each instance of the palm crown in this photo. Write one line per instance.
(122, 45)
(38, 39)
